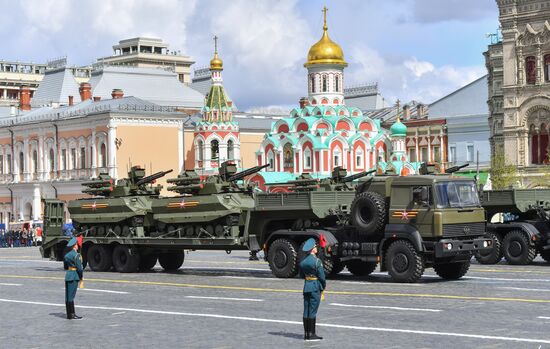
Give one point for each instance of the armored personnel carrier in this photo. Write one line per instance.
(519, 223)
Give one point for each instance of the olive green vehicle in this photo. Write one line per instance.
(406, 223)
(522, 227)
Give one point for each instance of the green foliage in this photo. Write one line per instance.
(503, 175)
(541, 179)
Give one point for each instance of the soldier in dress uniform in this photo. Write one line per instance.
(311, 269)
(73, 264)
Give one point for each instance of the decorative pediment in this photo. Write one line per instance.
(528, 37)
(411, 143)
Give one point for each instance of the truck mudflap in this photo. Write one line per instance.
(452, 248)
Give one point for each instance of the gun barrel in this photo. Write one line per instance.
(152, 177)
(185, 188)
(242, 174)
(456, 168)
(357, 176)
(98, 183)
(98, 191)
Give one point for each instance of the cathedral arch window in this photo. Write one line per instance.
(312, 83)
(52, 160)
(215, 149)
(547, 68)
(337, 83)
(200, 149)
(531, 70)
(34, 161)
(271, 160)
(307, 158)
(324, 80)
(21, 162)
(103, 155)
(288, 156)
(337, 155)
(82, 157)
(359, 158)
(230, 150)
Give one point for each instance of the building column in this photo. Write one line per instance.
(181, 148)
(430, 159)
(281, 160)
(222, 153)
(26, 160)
(540, 70)
(41, 157)
(36, 202)
(111, 151)
(93, 155)
(5, 93)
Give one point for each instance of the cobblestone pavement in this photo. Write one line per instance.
(218, 300)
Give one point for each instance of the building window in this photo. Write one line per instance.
(412, 154)
(359, 157)
(215, 149)
(34, 161)
(437, 154)
(52, 160)
(452, 154)
(288, 156)
(531, 70)
(230, 150)
(82, 157)
(200, 150)
(324, 83)
(547, 68)
(63, 159)
(307, 158)
(337, 84)
(73, 158)
(470, 153)
(1, 164)
(337, 157)
(21, 162)
(424, 155)
(271, 160)
(8, 160)
(103, 155)
(312, 83)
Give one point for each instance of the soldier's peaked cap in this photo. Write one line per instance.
(72, 242)
(309, 245)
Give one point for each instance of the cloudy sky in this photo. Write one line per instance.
(414, 49)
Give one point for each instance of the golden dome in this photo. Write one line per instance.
(325, 51)
(216, 63)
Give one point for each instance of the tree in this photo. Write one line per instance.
(503, 175)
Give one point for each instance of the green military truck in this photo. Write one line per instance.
(518, 223)
(404, 223)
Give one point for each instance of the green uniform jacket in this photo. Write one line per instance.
(73, 259)
(312, 266)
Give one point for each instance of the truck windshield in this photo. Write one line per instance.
(456, 194)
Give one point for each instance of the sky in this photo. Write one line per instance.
(414, 49)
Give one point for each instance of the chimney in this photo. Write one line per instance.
(25, 98)
(421, 110)
(406, 112)
(304, 102)
(71, 100)
(97, 98)
(85, 91)
(117, 93)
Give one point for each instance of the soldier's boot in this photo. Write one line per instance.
(306, 328)
(73, 315)
(312, 335)
(68, 309)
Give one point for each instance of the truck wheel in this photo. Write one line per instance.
(517, 249)
(125, 260)
(171, 261)
(495, 255)
(337, 267)
(403, 262)
(283, 258)
(368, 213)
(99, 258)
(147, 262)
(545, 254)
(361, 268)
(452, 271)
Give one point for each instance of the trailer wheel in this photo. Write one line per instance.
(495, 255)
(368, 213)
(403, 262)
(99, 258)
(125, 260)
(361, 268)
(283, 258)
(517, 249)
(452, 271)
(171, 261)
(147, 262)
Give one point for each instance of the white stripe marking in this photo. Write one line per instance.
(525, 289)
(104, 291)
(544, 317)
(360, 282)
(216, 268)
(227, 299)
(8, 284)
(503, 279)
(119, 313)
(361, 328)
(383, 307)
(252, 278)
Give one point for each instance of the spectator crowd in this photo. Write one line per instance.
(21, 237)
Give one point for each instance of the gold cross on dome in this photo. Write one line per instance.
(215, 44)
(325, 9)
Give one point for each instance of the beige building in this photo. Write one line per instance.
(519, 84)
(145, 52)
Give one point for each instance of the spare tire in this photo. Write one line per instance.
(368, 213)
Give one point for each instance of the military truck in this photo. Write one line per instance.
(518, 223)
(404, 223)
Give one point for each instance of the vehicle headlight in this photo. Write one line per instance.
(449, 247)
